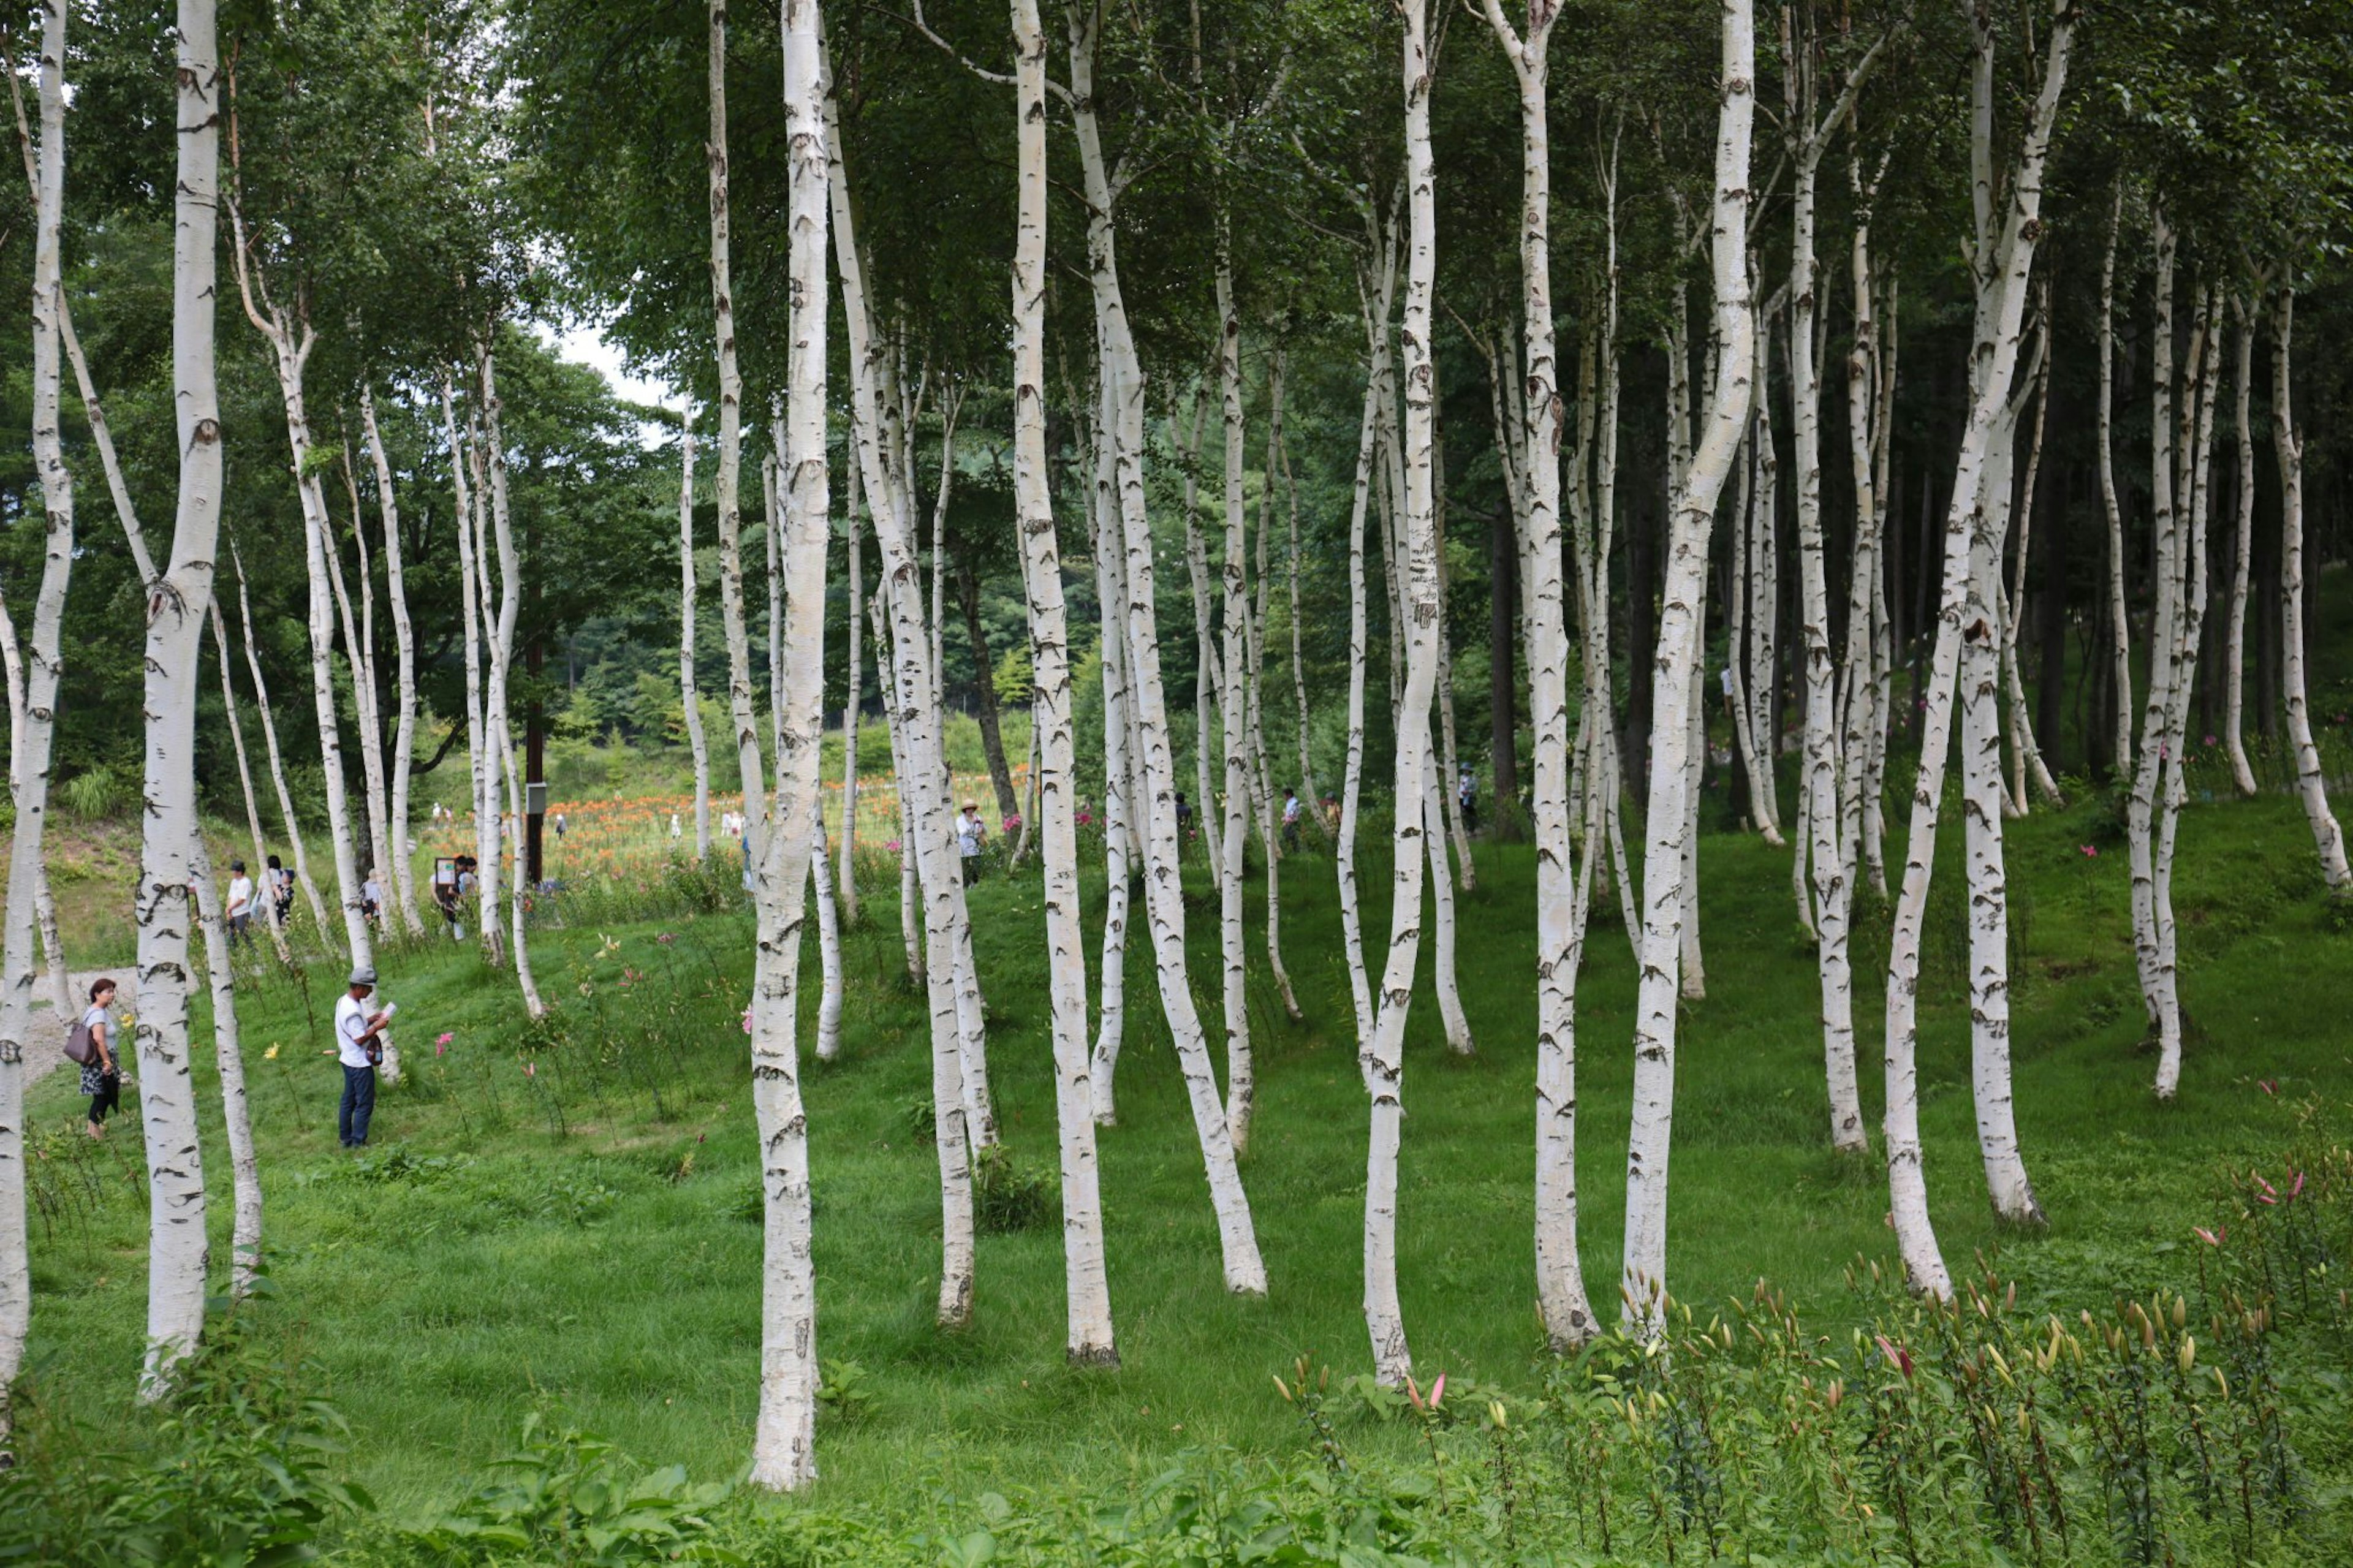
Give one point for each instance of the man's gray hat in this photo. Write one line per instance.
(364, 976)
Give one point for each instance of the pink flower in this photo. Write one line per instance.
(2296, 1188)
(1901, 1357)
(2210, 1237)
(2090, 851)
(441, 1045)
(2210, 739)
(530, 1069)
(2268, 1085)
(2270, 1195)
(666, 939)
(747, 1020)
(445, 1039)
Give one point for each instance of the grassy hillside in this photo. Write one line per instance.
(562, 1215)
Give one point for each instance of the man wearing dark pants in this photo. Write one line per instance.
(358, 1047)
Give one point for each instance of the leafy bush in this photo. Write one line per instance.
(237, 1469)
(571, 1497)
(1008, 1196)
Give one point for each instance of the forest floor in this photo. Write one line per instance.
(563, 1217)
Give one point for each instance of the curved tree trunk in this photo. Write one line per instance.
(2310, 785)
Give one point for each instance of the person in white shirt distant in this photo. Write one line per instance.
(970, 831)
(240, 903)
(1290, 821)
(359, 1046)
(371, 898)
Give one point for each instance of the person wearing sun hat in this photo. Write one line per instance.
(969, 831)
(359, 1046)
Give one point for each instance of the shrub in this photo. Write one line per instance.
(95, 793)
(1008, 1196)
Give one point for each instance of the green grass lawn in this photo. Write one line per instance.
(584, 1239)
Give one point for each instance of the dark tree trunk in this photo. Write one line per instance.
(992, 739)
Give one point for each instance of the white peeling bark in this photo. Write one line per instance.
(245, 781)
(359, 659)
(1240, 1090)
(784, 1454)
(923, 777)
(2311, 787)
(481, 742)
(2234, 652)
(1122, 374)
(2119, 619)
(846, 875)
(1381, 1054)
(32, 682)
(1111, 593)
(1665, 870)
(690, 699)
(2002, 272)
(1208, 681)
(727, 488)
(404, 735)
(269, 742)
(499, 717)
(177, 1249)
(1086, 1286)
(1268, 828)
(245, 1243)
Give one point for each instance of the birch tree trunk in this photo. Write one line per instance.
(359, 659)
(1240, 1090)
(2141, 805)
(292, 339)
(245, 1243)
(1086, 1285)
(1681, 628)
(846, 877)
(911, 898)
(269, 742)
(483, 756)
(1382, 1054)
(33, 719)
(783, 1455)
(1111, 593)
(177, 1249)
(404, 739)
(244, 781)
(1377, 286)
(500, 720)
(1307, 793)
(2234, 667)
(923, 777)
(1245, 1272)
(2120, 620)
(1209, 678)
(2311, 786)
(727, 490)
(688, 698)
(2002, 273)
(1267, 826)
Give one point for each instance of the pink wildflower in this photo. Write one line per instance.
(445, 1039)
(2270, 1195)
(2090, 851)
(2210, 1237)
(2268, 1085)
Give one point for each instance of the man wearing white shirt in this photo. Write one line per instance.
(358, 1032)
(240, 903)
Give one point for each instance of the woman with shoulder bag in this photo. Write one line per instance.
(102, 1076)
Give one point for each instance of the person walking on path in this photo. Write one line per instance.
(970, 830)
(1290, 821)
(358, 1047)
(102, 1076)
(240, 903)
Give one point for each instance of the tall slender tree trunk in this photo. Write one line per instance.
(1111, 593)
(846, 877)
(2120, 620)
(1259, 768)
(501, 719)
(245, 781)
(1122, 374)
(783, 1455)
(481, 741)
(1681, 629)
(2311, 786)
(923, 776)
(359, 659)
(2002, 269)
(177, 1248)
(1086, 1285)
(269, 742)
(1209, 678)
(245, 1171)
(727, 488)
(992, 735)
(1240, 1082)
(690, 699)
(33, 717)
(404, 735)
(1307, 792)
(1381, 1054)
(2243, 539)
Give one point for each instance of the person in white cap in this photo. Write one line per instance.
(359, 1046)
(970, 832)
